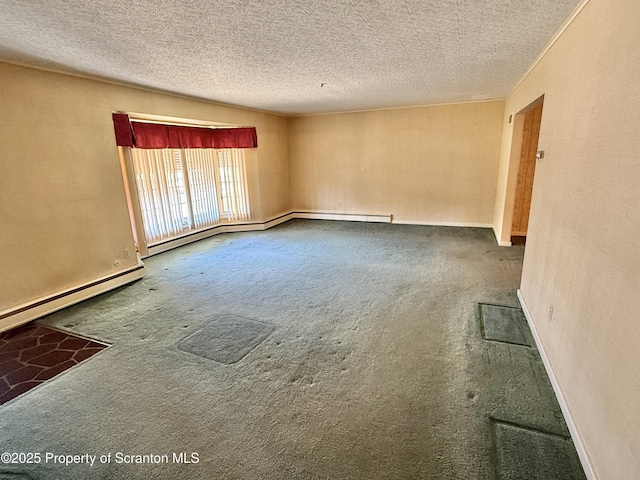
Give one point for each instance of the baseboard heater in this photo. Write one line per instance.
(349, 217)
(256, 226)
(46, 305)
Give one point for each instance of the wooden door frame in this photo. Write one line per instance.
(514, 165)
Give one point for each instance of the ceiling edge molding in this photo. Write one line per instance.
(398, 108)
(553, 40)
(110, 81)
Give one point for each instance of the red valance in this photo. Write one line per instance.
(156, 135)
(124, 132)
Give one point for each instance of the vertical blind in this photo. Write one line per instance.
(202, 185)
(233, 178)
(181, 190)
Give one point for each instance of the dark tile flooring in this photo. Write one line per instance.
(32, 354)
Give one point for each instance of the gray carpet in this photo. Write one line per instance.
(376, 367)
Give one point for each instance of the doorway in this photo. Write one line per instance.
(524, 156)
(526, 172)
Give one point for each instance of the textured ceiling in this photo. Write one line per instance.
(275, 54)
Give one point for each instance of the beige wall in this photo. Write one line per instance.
(63, 214)
(583, 250)
(427, 164)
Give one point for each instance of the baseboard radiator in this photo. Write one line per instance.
(255, 226)
(43, 306)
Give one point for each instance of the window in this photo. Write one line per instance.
(232, 179)
(181, 190)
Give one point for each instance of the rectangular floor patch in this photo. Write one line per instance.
(505, 324)
(526, 454)
(227, 339)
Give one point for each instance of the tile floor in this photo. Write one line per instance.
(32, 354)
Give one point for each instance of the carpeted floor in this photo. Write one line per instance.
(373, 364)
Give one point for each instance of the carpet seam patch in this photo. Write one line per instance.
(528, 430)
(494, 340)
(230, 350)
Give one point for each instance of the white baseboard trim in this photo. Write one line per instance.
(46, 305)
(501, 243)
(573, 429)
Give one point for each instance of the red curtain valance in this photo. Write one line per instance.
(155, 135)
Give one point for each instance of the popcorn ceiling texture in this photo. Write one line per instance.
(274, 54)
